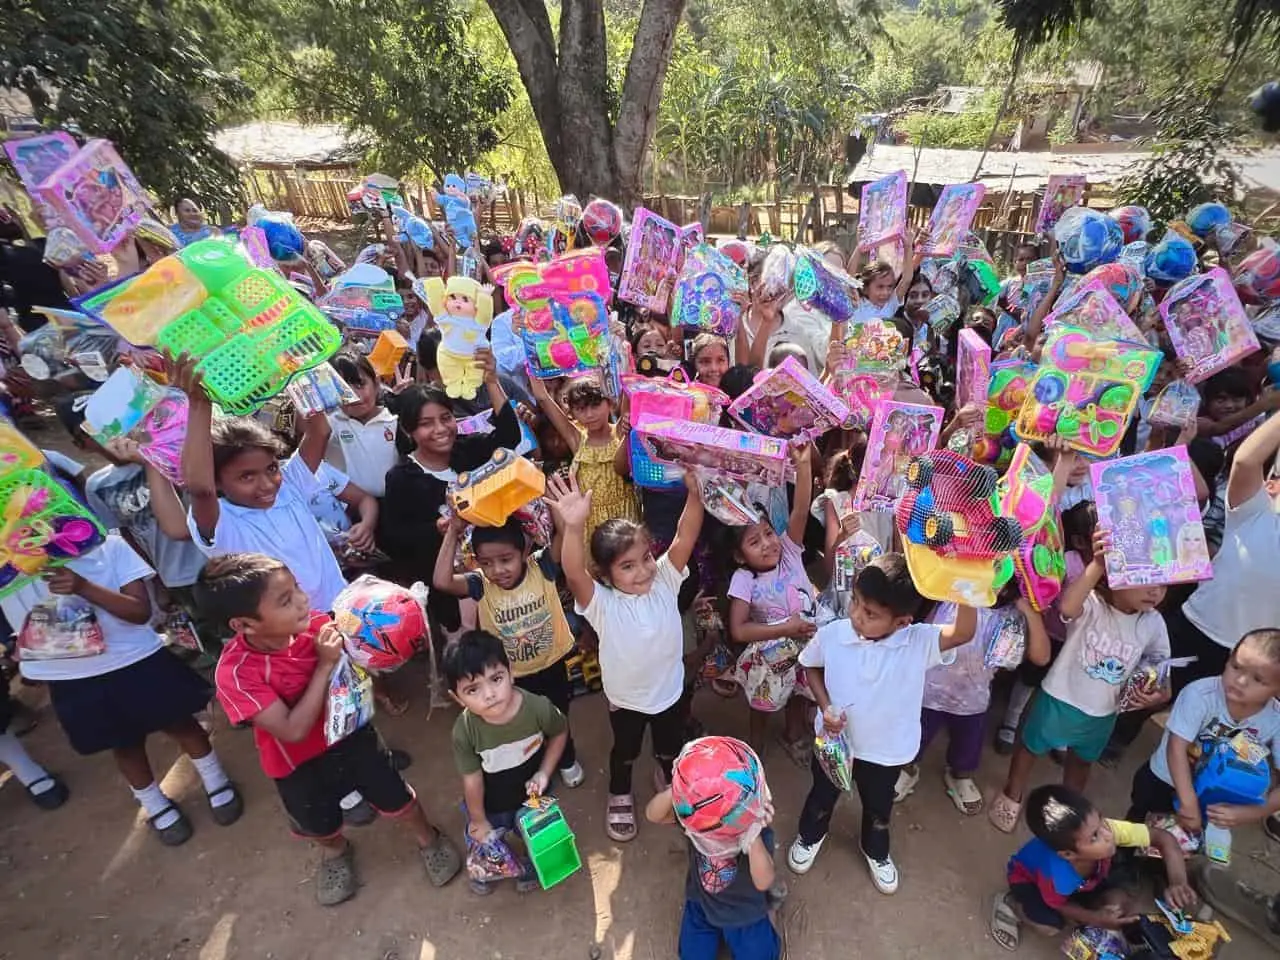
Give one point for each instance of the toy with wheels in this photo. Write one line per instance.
(550, 842)
(383, 624)
(489, 494)
(1135, 222)
(1227, 773)
(1170, 260)
(719, 793)
(973, 582)
(1087, 238)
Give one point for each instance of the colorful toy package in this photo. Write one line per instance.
(34, 159)
(882, 213)
(1086, 390)
(746, 456)
(96, 195)
(1207, 323)
(942, 311)
(363, 309)
(973, 368)
(820, 286)
(951, 217)
(789, 401)
(60, 628)
(252, 330)
(720, 796)
(709, 292)
(835, 757)
(672, 398)
(1148, 503)
(131, 404)
(899, 431)
(1177, 405)
(1092, 307)
(655, 253)
(492, 859)
(1026, 495)
(382, 623)
(349, 704)
(1062, 192)
(1004, 640)
(1005, 395)
(319, 390)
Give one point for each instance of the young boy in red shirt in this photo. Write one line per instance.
(275, 674)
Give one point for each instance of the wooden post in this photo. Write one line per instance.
(744, 219)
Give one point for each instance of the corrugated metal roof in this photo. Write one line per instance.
(285, 141)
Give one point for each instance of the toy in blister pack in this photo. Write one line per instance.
(1092, 308)
(1062, 192)
(34, 159)
(96, 195)
(942, 311)
(1026, 495)
(1207, 323)
(1177, 405)
(882, 212)
(853, 555)
(973, 369)
(745, 456)
(825, 288)
(252, 330)
(131, 404)
(492, 492)
(382, 624)
(1148, 504)
(319, 390)
(1005, 640)
(349, 703)
(789, 401)
(60, 628)
(725, 498)
(943, 274)
(899, 431)
(1005, 395)
(655, 253)
(179, 630)
(720, 795)
(951, 217)
(364, 309)
(835, 757)
(709, 292)
(1085, 391)
(492, 859)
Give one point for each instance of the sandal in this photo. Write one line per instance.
(964, 793)
(52, 798)
(229, 812)
(336, 878)
(1004, 923)
(620, 817)
(724, 688)
(176, 833)
(441, 860)
(1004, 812)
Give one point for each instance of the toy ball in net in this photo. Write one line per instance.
(284, 240)
(1087, 238)
(1135, 222)
(1171, 260)
(384, 624)
(1205, 218)
(1122, 279)
(602, 219)
(718, 787)
(1257, 278)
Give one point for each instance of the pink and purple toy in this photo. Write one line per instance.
(655, 253)
(789, 401)
(1062, 192)
(882, 214)
(1092, 307)
(1207, 323)
(746, 456)
(96, 195)
(973, 369)
(951, 217)
(1026, 495)
(710, 292)
(822, 287)
(899, 431)
(34, 159)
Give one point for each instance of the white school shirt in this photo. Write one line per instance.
(363, 451)
(1200, 716)
(1103, 647)
(866, 310)
(1244, 593)
(879, 684)
(112, 565)
(641, 642)
(286, 530)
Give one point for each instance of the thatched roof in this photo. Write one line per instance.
(290, 143)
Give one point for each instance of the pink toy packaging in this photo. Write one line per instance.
(1177, 405)
(1064, 191)
(1148, 504)
(96, 195)
(672, 398)
(973, 369)
(1092, 308)
(709, 292)
(899, 431)
(789, 401)
(655, 253)
(745, 456)
(1026, 495)
(951, 217)
(1207, 323)
(131, 404)
(868, 373)
(34, 159)
(882, 213)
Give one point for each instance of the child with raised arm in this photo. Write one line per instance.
(632, 603)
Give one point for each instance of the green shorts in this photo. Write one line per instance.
(1054, 725)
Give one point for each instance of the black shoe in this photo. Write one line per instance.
(400, 759)
(176, 833)
(227, 813)
(52, 798)
(361, 815)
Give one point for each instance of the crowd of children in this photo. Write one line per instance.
(810, 609)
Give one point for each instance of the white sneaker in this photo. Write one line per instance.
(908, 777)
(801, 855)
(573, 776)
(883, 874)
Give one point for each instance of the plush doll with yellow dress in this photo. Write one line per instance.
(463, 310)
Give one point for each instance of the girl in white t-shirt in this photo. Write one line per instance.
(632, 603)
(881, 295)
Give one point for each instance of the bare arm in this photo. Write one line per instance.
(292, 724)
(743, 630)
(910, 264)
(570, 507)
(361, 534)
(197, 447)
(555, 414)
(688, 527)
(760, 861)
(961, 632)
(171, 516)
(799, 518)
(315, 438)
(1248, 470)
(1038, 649)
(442, 577)
(660, 809)
(1071, 600)
(473, 793)
(1189, 813)
(1036, 322)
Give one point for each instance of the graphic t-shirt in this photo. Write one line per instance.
(507, 755)
(1200, 716)
(528, 618)
(777, 594)
(723, 887)
(121, 497)
(1057, 880)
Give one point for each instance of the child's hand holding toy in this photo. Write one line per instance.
(833, 720)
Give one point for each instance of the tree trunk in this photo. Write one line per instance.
(1014, 67)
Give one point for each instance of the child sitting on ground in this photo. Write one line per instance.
(506, 742)
(1062, 874)
(274, 673)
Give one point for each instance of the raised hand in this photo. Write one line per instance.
(569, 504)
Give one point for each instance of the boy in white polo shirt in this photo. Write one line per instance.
(363, 442)
(867, 678)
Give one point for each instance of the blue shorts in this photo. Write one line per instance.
(699, 940)
(1054, 725)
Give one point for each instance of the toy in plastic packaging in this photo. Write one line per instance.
(726, 499)
(709, 292)
(973, 369)
(462, 310)
(942, 311)
(60, 628)
(822, 287)
(874, 353)
(1148, 678)
(131, 404)
(720, 795)
(1095, 943)
(789, 401)
(492, 492)
(692, 234)
(1005, 640)
(1006, 393)
(882, 213)
(899, 431)
(1092, 307)
(602, 220)
(382, 624)
(776, 271)
(1190, 843)
(179, 630)
(1207, 324)
(768, 673)
(834, 756)
(364, 309)
(551, 844)
(1026, 495)
(96, 195)
(250, 328)
(1177, 405)
(1135, 222)
(1086, 390)
(319, 390)
(349, 705)
(853, 555)
(655, 253)
(492, 859)
(1148, 504)
(1170, 260)
(745, 456)
(457, 209)
(1087, 238)
(673, 398)
(1257, 276)
(1062, 192)
(951, 217)
(35, 159)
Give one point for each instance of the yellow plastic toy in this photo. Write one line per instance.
(490, 494)
(387, 352)
(463, 311)
(975, 582)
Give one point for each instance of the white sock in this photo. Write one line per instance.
(14, 756)
(153, 801)
(351, 800)
(214, 778)
(1019, 697)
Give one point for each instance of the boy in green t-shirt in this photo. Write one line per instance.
(506, 743)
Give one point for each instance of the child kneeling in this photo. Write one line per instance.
(275, 674)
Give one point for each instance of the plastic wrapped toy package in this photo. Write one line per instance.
(252, 330)
(382, 624)
(1170, 260)
(1095, 943)
(131, 404)
(349, 704)
(1092, 307)
(1135, 222)
(362, 308)
(1148, 504)
(1087, 238)
(1026, 495)
(1207, 323)
(1062, 192)
(493, 859)
(709, 291)
(96, 195)
(1005, 396)
(951, 217)
(549, 841)
(319, 390)
(1005, 640)
(1085, 391)
(70, 339)
(789, 401)
(673, 398)
(720, 795)
(820, 286)
(60, 628)
(489, 494)
(768, 673)
(882, 212)
(655, 254)
(874, 353)
(1177, 405)
(602, 221)
(942, 311)
(1257, 276)
(835, 757)
(34, 159)
(899, 431)
(973, 369)
(745, 456)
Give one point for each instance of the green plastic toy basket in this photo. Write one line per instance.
(550, 842)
